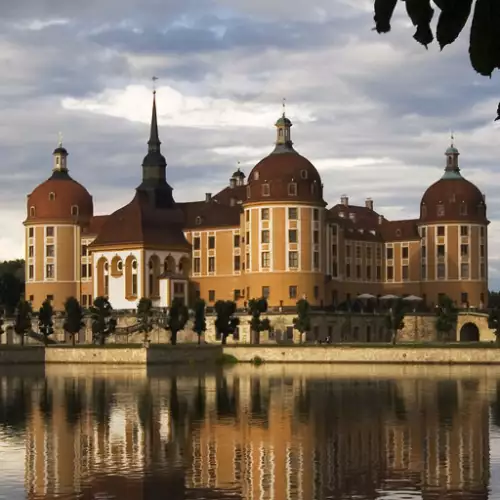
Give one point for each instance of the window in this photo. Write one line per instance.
(348, 251)
(292, 213)
(49, 271)
(134, 285)
(368, 273)
(482, 231)
(358, 252)
(292, 236)
(348, 270)
(74, 210)
(265, 259)
(197, 221)
(211, 295)
(247, 261)
(368, 253)
(482, 271)
(334, 249)
(463, 209)
(481, 250)
(441, 250)
(237, 263)
(236, 240)
(49, 250)
(334, 230)
(248, 238)
(32, 214)
(52, 196)
(292, 291)
(358, 271)
(293, 259)
(405, 272)
(264, 236)
(316, 237)
(84, 301)
(379, 272)
(423, 232)
(303, 174)
(423, 251)
(31, 271)
(264, 213)
(316, 260)
(31, 251)
(50, 298)
(249, 191)
(197, 265)
(49, 231)
(316, 292)
(464, 270)
(211, 264)
(266, 190)
(265, 292)
(379, 253)
(31, 232)
(464, 250)
(256, 176)
(464, 298)
(236, 295)
(405, 252)
(440, 210)
(334, 269)
(84, 250)
(389, 253)
(247, 215)
(292, 189)
(196, 242)
(464, 230)
(424, 211)
(441, 271)
(390, 272)
(84, 271)
(424, 271)
(315, 214)
(440, 230)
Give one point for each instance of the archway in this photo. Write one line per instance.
(469, 333)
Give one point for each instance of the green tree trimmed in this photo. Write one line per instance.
(446, 313)
(177, 318)
(73, 321)
(394, 319)
(103, 322)
(494, 322)
(145, 317)
(45, 320)
(200, 321)
(302, 322)
(22, 321)
(225, 321)
(257, 325)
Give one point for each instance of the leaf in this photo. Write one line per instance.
(384, 9)
(481, 44)
(452, 21)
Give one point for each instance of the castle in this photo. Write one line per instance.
(270, 234)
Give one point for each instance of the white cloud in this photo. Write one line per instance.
(39, 24)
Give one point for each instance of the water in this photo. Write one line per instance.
(263, 433)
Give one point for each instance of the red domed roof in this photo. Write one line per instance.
(59, 198)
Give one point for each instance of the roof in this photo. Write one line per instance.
(203, 214)
(140, 222)
(95, 225)
(400, 230)
(236, 193)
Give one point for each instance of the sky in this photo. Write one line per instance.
(373, 112)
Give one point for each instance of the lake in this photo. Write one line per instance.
(272, 432)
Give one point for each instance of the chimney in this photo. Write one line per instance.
(208, 197)
(380, 219)
(369, 203)
(344, 199)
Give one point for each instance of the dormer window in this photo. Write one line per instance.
(266, 190)
(248, 192)
(463, 209)
(424, 211)
(256, 176)
(303, 174)
(292, 189)
(32, 211)
(74, 210)
(398, 232)
(342, 214)
(52, 196)
(197, 221)
(440, 210)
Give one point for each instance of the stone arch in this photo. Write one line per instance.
(153, 275)
(469, 332)
(169, 264)
(185, 266)
(131, 277)
(102, 277)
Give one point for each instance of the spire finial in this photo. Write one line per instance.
(284, 105)
(154, 79)
(60, 140)
(154, 139)
(452, 139)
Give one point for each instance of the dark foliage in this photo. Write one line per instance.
(177, 318)
(200, 322)
(22, 319)
(446, 315)
(11, 284)
(394, 319)
(73, 321)
(103, 323)
(145, 317)
(257, 325)
(45, 320)
(302, 322)
(225, 322)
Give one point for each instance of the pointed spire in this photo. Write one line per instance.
(154, 142)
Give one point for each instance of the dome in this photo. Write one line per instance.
(453, 198)
(238, 174)
(59, 198)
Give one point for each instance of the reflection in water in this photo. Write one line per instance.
(249, 433)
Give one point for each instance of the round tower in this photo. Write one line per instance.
(454, 231)
(283, 226)
(57, 209)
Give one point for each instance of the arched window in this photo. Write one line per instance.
(266, 190)
(184, 266)
(248, 192)
(102, 277)
(32, 211)
(153, 276)
(131, 278)
(198, 220)
(52, 196)
(116, 266)
(292, 189)
(303, 174)
(256, 176)
(74, 210)
(169, 265)
(424, 210)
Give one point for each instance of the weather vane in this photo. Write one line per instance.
(452, 138)
(284, 105)
(155, 78)
(60, 139)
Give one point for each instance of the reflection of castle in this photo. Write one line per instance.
(258, 435)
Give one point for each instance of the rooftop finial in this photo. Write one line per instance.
(452, 139)
(155, 79)
(60, 140)
(284, 105)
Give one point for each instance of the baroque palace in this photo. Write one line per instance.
(269, 234)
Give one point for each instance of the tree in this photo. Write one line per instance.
(103, 323)
(258, 325)
(484, 41)
(177, 318)
(200, 322)
(22, 322)
(225, 322)
(45, 322)
(11, 284)
(302, 322)
(73, 321)
(446, 313)
(2, 313)
(145, 317)
(494, 322)
(394, 319)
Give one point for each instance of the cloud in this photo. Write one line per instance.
(373, 113)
